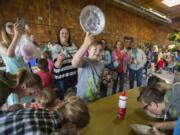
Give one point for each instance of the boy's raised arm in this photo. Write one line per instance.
(78, 57)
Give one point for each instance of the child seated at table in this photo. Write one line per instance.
(46, 99)
(162, 102)
(69, 118)
(44, 74)
(74, 116)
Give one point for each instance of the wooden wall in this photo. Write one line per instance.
(119, 22)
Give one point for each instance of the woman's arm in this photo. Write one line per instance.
(78, 57)
(59, 61)
(18, 32)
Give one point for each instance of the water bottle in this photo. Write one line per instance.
(122, 105)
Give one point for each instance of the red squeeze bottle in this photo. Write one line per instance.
(122, 105)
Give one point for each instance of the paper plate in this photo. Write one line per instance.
(141, 129)
(92, 19)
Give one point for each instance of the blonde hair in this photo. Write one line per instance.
(72, 110)
(47, 97)
(5, 38)
(6, 41)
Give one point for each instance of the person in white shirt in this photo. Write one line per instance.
(137, 62)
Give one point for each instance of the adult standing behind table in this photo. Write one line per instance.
(137, 61)
(62, 53)
(11, 34)
(119, 69)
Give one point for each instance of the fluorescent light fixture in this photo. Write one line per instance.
(171, 3)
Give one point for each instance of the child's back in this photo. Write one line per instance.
(47, 55)
(44, 74)
(46, 78)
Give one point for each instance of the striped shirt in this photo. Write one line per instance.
(66, 69)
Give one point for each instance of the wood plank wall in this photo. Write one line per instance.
(119, 22)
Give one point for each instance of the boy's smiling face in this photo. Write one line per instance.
(99, 50)
(92, 52)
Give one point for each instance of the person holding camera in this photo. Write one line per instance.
(11, 34)
(137, 61)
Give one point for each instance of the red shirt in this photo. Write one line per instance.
(160, 64)
(46, 78)
(120, 56)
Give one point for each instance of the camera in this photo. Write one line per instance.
(20, 22)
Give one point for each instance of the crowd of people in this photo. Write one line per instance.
(48, 92)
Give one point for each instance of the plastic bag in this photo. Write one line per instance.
(25, 48)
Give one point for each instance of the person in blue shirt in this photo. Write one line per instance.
(177, 128)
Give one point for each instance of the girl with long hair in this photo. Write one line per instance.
(11, 34)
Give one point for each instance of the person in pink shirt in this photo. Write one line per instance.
(44, 74)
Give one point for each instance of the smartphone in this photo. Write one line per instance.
(21, 22)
